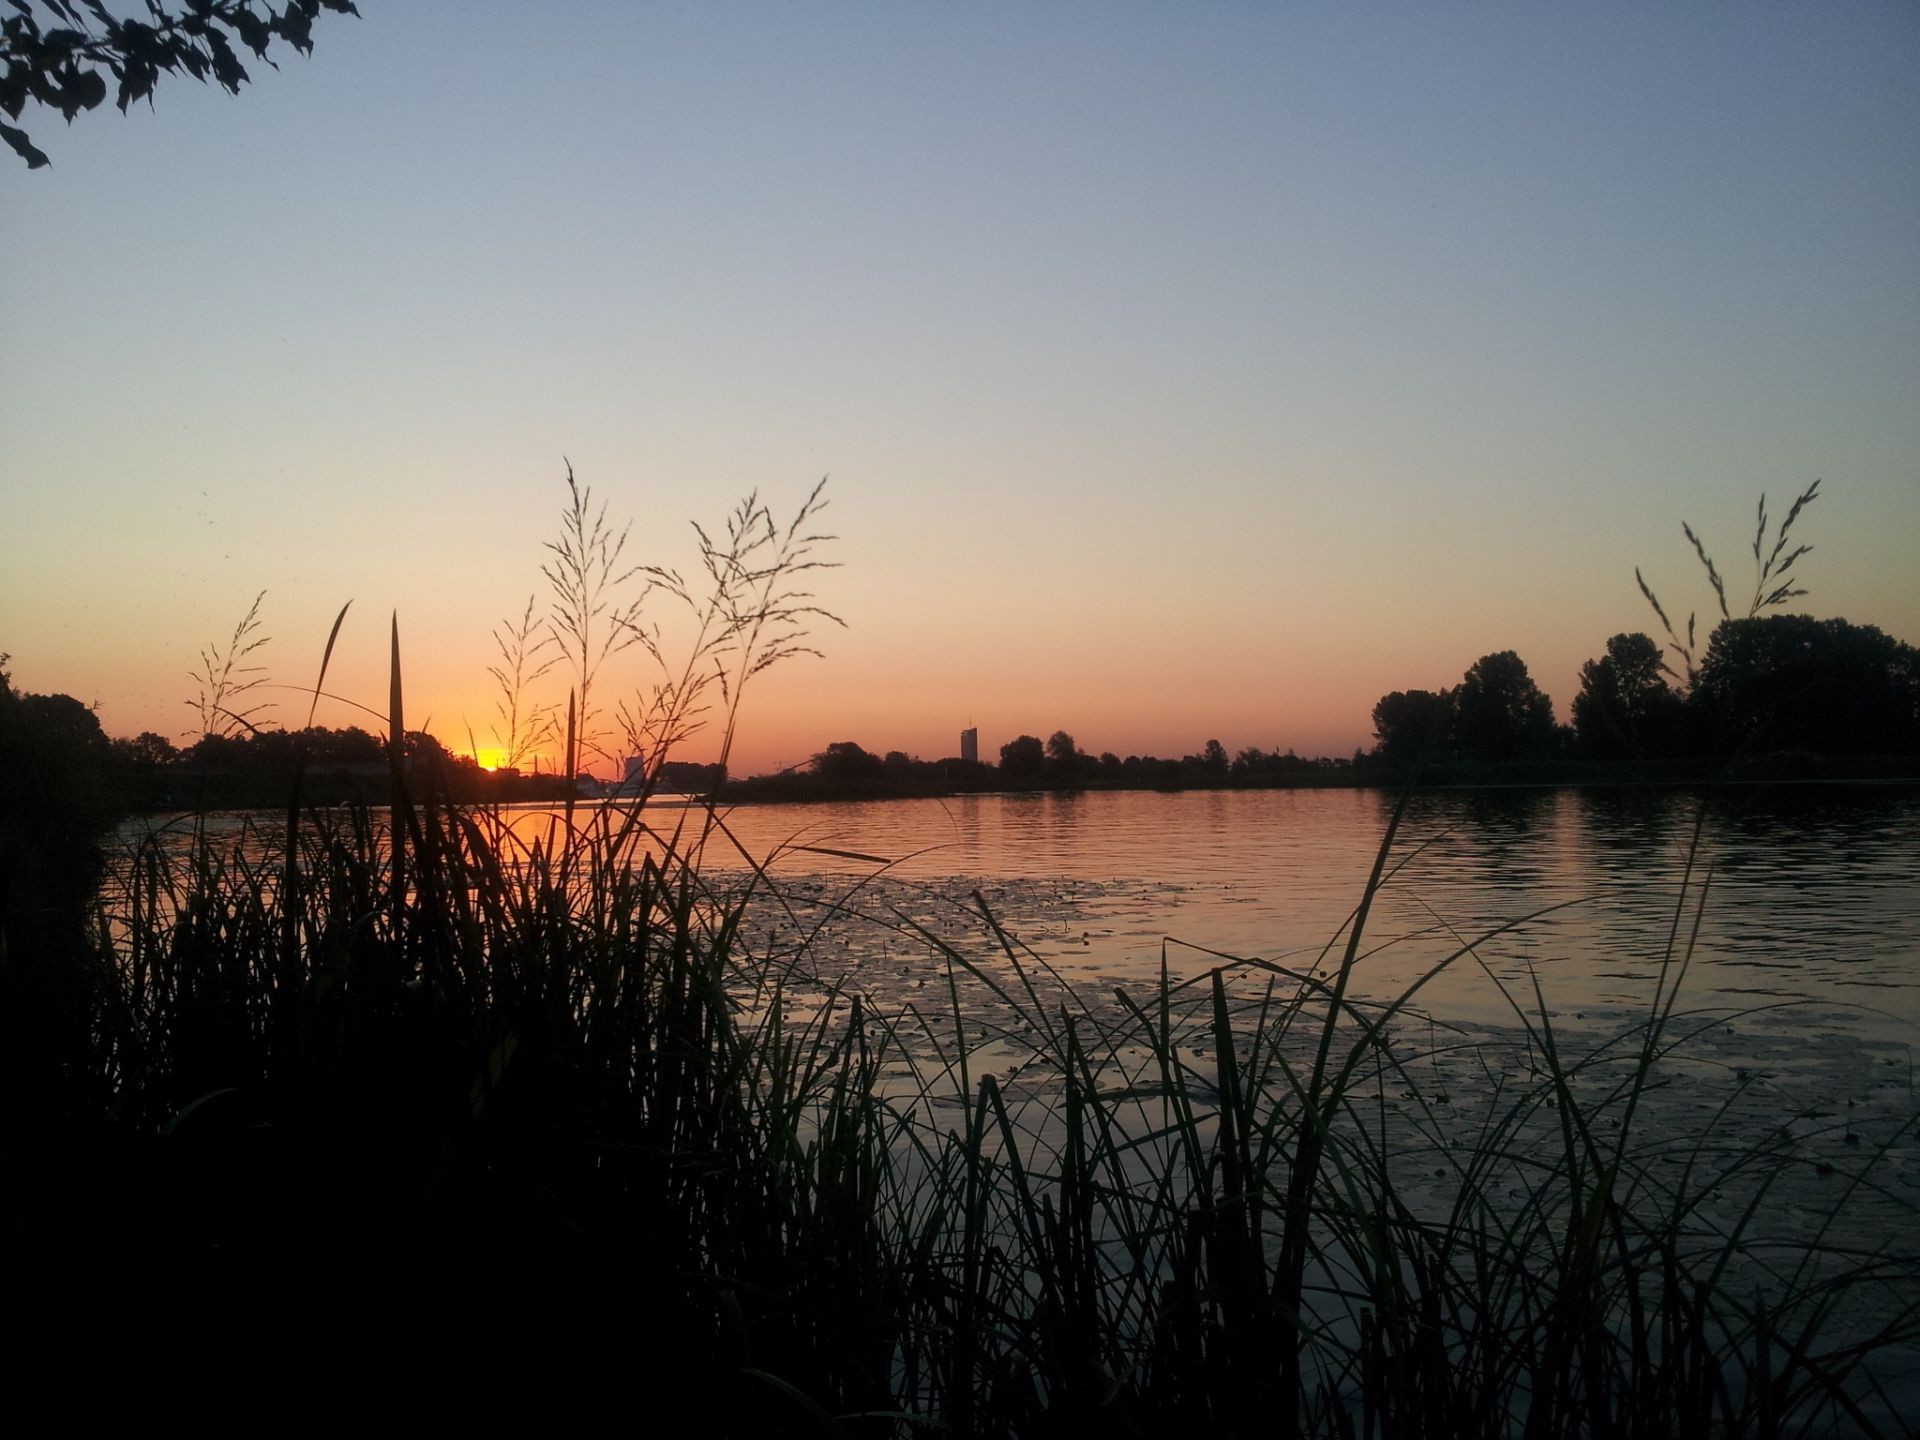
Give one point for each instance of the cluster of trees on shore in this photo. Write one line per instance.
(847, 770)
(1779, 683)
(1791, 687)
(60, 761)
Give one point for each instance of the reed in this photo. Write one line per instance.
(596, 1098)
(560, 1065)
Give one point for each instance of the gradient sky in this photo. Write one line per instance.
(1181, 371)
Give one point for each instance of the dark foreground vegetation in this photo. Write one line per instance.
(512, 1111)
(377, 1100)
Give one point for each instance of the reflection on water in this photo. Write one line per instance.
(1810, 895)
(1810, 892)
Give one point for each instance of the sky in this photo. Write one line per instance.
(1177, 371)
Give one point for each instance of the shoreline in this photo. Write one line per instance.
(270, 795)
(1704, 776)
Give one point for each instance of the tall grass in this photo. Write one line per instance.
(559, 1066)
(552, 1095)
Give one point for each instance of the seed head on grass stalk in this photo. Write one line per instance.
(526, 655)
(750, 613)
(1773, 582)
(591, 618)
(226, 703)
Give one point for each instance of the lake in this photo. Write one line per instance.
(1785, 1070)
(1811, 912)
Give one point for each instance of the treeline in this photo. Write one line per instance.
(56, 742)
(1785, 694)
(848, 771)
(257, 768)
(1780, 686)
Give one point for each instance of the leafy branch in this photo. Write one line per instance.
(54, 52)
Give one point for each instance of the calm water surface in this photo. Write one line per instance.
(1802, 896)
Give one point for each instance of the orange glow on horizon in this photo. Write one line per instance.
(495, 757)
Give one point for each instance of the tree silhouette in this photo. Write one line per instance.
(1023, 758)
(845, 763)
(1625, 707)
(147, 748)
(1791, 681)
(1412, 723)
(55, 796)
(1499, 713)
(54, 52)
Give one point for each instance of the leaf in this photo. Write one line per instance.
(253, 31)
(295, 28)
(227, 69)
(137, 79)
(23, 147)
(326, 659)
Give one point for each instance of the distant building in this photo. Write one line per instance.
(970, 745)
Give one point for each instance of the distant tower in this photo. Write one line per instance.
(970, 745)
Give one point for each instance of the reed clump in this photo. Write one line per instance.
(487, 1090)
(557, 1075)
